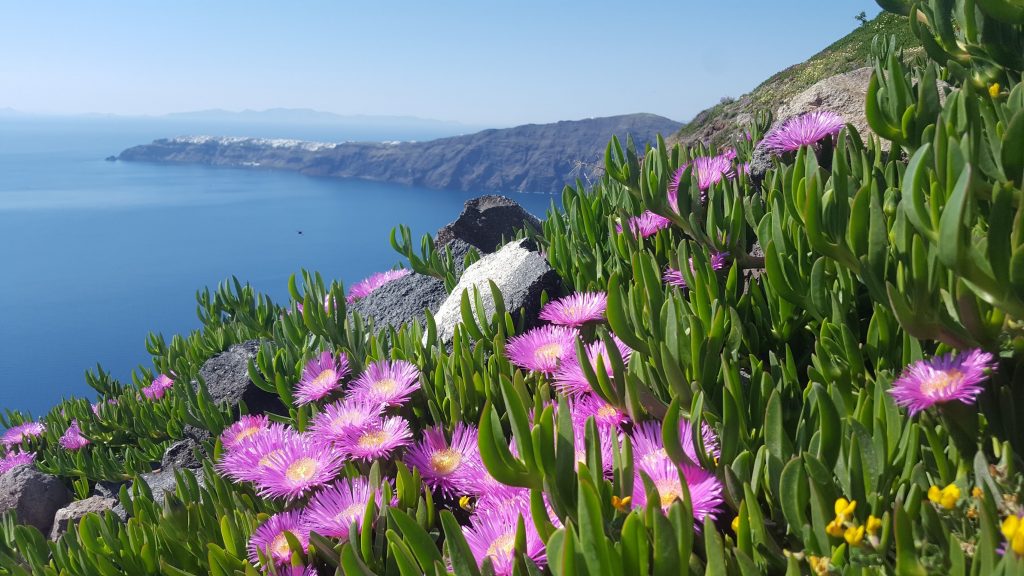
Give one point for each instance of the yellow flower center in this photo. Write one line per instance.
(606, 411)
(301, 470)
(352, 512)
(265, 461)
(245, 433)
(552, 351)
(326, 379)
(940, 381)
(503, 544)
(372, 439)
(385, 386)
(669, 490)
(279, 546)
(445, 461)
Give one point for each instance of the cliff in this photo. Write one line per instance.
(529, 158)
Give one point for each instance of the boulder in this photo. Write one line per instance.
(459, 249)
(182, 454)
(75, 511)
(401, 301)
(33, 496)
(227, 379)
(484, 221)
(162, 481)
(519, 272)
(843, 94)
(108, 488)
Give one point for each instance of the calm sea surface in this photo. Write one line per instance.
(94, 255)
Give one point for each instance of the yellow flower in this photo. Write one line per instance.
(873, 525)
(946, 497)
(1010, 526)
(819, 564)
(1017, 544)
(993, 90)
(621, 504)
(977, 493)
(854, 535)
(845, 508)
(736, 524)
(835, 528)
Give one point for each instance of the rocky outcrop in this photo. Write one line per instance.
(401, 301)
(843, 94)
(227, 379)
(162, 481)
(182, 454)
(33, 496)
(530, 158)
(521, 274)
(485, 221)
(77, 510)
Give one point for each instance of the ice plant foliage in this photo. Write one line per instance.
(72, 438)
(576, 310)
(321, 377)
(160, 385)
(17, 434)
(446, 466)
(363, 288)
(947, 378)
(804, 130)
(543, 348)
(386, 383)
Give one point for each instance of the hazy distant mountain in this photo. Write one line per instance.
(297, 116)
(530, 158)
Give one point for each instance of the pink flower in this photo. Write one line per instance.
(492, 534)
(577, 309)
(17, 434)
(297, 469)
(543, 348)
(709, 171)
(377, 440)
(942, 379)
(13, 459)
(332, 511)
(705, 489)
(158, 388)
(269, 539)
(649, 447)
(605, 415)
(246, 427)
(363, 288)
(248, 460)
(446, 466)
(72, 438)
(342, 418)
(804, 130)
(320, 377)
(387, 383)
(645, 225)
(570, 378)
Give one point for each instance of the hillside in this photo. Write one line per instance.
(848, 53)
(529, 158)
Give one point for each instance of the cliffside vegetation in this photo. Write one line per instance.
(815, 370)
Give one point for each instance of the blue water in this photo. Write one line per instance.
(94, 255)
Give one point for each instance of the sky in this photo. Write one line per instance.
(480, 62)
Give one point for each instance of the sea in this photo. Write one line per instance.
(95, 255)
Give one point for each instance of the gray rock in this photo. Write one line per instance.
(162, 481)
(760, 164)
(33, 496)
(459, 250)
(843, 94)
(401, 301)
(518, 271)
(181, 454)
(75, 511)
(227, 379)
(484, 221)
(108, 488)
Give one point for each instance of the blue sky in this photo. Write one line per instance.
(481, 62)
